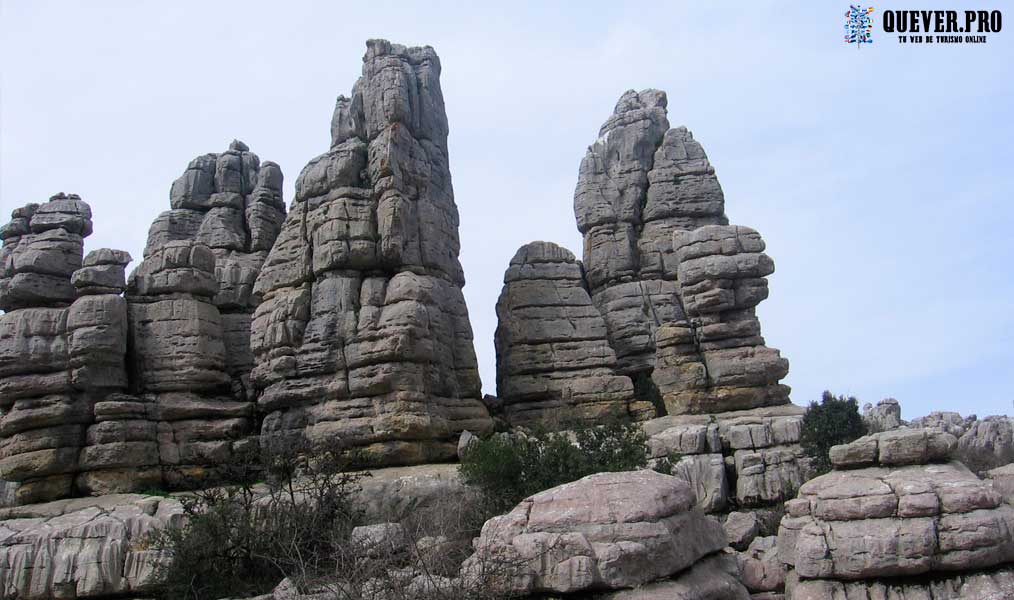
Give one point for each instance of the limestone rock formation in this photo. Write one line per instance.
(603, 532)
(363, 333)
(902, 513)
(638, 183)
(988, 443)
(715, 359)
(83, 548)
(63, 341)
(886, 415)
(713, 578)
(553, 359)
(675, 284)
(191, 302)
(749, 458)
(983, 444)
(232, 204)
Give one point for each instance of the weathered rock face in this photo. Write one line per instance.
(885, 416)
(716, 359)
(83, 548)
(639, 527)
(232, 204)
(191, 303)
(748, 458)
(675, 285)
(63, 339)
(898, 517)
(553, 359)
(639, 182)
(363, 332)
(983, 444)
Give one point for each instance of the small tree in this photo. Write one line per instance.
(831, 422)
(508, 468)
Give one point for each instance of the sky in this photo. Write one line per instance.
(880, 176)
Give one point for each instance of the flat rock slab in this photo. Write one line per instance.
(83, 547)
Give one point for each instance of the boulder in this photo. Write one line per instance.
(892, 515)
(741, 528)
(605, 531)
(886, 415)
(893, 448)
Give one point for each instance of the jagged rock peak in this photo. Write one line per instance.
(365, 279)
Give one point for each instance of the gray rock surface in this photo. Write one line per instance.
(886, 415)
(741, 528)
(751, 458)
(83, 548)
(893, 448)
(231, 204)
(715, 359)
(363, 331)
(992, 585)
(925, 530)
(987, 444)
(60, 354)
(759, 566)
(713, 578)
(951, 422)
(605, 531)
(553, 359)
(638, 183)
(675, 285)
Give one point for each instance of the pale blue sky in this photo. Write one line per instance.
(880, 177)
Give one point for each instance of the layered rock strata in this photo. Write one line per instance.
(749, 459)
(191, 302)
(363, 333)
(638, 183)
(83, 548)
(553, 359)
(63, 341)
(675, 285)
(715, 360)
(895, 515)
(641, 527)
(231, 203)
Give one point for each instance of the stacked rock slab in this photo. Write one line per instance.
(749, 459)
(639, 182)
(610, 531)
(894, 519)
(715, 360)
(363, 333)
(191, 303)
(553, 359)
(63, 339)
(232, 203)
(674, 283)
(178, 363)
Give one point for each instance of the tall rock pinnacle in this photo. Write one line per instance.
(363, 334)
(675, 285)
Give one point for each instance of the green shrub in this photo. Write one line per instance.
(237, 541)
(831, 422)
(509, 468)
